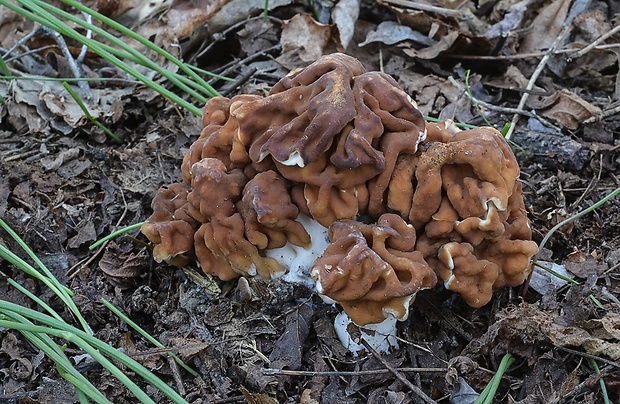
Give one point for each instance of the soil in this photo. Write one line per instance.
(62, 192)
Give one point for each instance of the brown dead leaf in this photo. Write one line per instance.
(565, 107)
(391, 32)
(114, 9)
(54, 162)
(218, 314)
(438, 97)
(288, 349)
(511, 20)
(578, 337)
(235, 11)
(344, 16)
(10, 346)
(310, 38)
(545, 27)
(592, 24)
(86, 234)
(523, 329)
(607, 328)
(306, 398)
(584, 266)
(122, 266)
(512, 79)
(431, 52)
(187, 347)
(257, 35)
(257, 398)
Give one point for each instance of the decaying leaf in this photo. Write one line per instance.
(437, 96)
(565, 107)
(545, 27)
(391, 32)
(510, 21)
(47, 105)
(344, 17)
(257, 398)
(522, 329)
(287, 352)
(122, 266)
(310, 38)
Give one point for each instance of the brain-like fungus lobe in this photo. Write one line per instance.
(340, 153)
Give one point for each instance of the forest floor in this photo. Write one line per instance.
(64, 184)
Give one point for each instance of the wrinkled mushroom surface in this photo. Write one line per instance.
(334, 143)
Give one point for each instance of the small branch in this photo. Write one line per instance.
(504, 110)
(305, 373)
(414, 389)
(587, 355)
(600, 116)
(529, 55)
(543, 62)
(426, 7)
(89, 34)
(594, 44)
(77, 72)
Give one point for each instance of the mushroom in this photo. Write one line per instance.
(468, 209)
(334, 180)
(372, 270)
(171, 227)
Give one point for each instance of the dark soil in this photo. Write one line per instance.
(61, 193)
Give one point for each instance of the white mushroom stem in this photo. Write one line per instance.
(381, 337)
(298, 260)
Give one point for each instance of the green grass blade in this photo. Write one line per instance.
(42, 341)
(55, 24)
(47, 277)
(95, 122)
(89, 343)
(146, 335)
(125, 31)
(136, 56)
(488, 394)
(115, 234)
(601, 381)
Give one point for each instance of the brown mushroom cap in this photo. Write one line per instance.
(476, 232)
(335, 143)
(331, 127)
(213, 198)
(372, 270)
(269, 214)
(170, 227)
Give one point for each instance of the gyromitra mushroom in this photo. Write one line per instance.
(170, 227)
(335, 175)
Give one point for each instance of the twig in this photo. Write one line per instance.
(176, 375)
(230, 87)
(77, 71)
(602, 115)
(235, 64)
(425, 7)
(543, 62)
(528, 55)
(593, 45)
(504, 110)
(593, 183)
(414, 389)
(220, 36)
(589, 356)
(22, 41)
(305, 373)
(89, 34)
